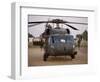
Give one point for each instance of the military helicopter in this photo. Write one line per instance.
(58, 40)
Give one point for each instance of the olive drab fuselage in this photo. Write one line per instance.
(59, 43)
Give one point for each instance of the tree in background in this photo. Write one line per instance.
(79, 39)
(85, 35)
(82, 39)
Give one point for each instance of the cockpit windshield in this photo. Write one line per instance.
(62, 39)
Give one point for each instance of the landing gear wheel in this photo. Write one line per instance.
(72, 56)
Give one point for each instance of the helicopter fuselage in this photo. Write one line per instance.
(59, 43)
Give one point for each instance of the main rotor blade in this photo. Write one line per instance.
(31, 25)
(38, 22)
(62, 21)
(57, 22)
(52, 21)
(71, 27)
(75, 22)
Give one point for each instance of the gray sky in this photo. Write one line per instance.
(38, 29)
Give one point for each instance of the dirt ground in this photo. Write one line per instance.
(35, 57)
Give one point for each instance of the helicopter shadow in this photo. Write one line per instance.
(59, 58)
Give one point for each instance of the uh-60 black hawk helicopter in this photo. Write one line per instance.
(58, 40)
